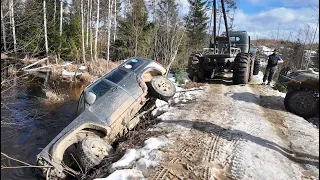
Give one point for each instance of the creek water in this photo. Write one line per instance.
(28, 124)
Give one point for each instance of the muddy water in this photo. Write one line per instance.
(30, 125)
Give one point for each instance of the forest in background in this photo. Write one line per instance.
(88, 30)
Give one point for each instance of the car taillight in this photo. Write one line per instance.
(158, 63)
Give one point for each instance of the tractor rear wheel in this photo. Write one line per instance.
(241, 69)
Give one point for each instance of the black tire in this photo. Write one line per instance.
(256, 67)
(241, 68)
(303, 103)
(92, 150)
(195, 71)
(162, 88)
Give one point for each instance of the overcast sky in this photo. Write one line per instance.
(273, 18)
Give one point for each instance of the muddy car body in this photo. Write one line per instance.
(107, 109)
(302, 97)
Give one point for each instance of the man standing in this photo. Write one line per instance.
(273, 61)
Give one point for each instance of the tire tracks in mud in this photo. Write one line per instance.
(228, 132)
(209, 149)
(278, 118)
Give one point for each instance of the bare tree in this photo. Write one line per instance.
(82, 34)
(156, 28)
(11, 13)
(45, 29)
(90, 29)
(54, 11)
(115, 21)
(109, 29)
(88, 17)
(3, 31)
(60, 27)
(304, 46)
(96, 33)
(308, 60)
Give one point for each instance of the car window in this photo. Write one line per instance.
(133, 64)
(101, 88)
(81, 106)
(117, 75)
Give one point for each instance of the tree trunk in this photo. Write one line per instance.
(109, 31)
(136, 42)
(88, 16)
(82, 34)
(115, 21)
(3, 32)
(60, 27)
(90, 29)
(45, 29)
(54, 13)
(13, 27)
(96, 37)
(156, 30)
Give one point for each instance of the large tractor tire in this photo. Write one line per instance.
(256, 67)
(195, 73)
(303, 103)
(241, 69)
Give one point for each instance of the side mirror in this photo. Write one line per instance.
(90, 98)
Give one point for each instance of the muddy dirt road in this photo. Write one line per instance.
(234, 132)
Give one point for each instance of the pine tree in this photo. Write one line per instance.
(131, 34)
(196, 24)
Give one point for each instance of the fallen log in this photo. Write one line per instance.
(35, 63)
(38, 69)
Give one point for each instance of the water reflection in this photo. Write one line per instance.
(31, 125)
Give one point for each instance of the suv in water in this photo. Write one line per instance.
(107, 109)
(302, 97)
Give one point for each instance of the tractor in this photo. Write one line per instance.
(230, 51)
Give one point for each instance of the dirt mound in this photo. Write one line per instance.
(190, 85)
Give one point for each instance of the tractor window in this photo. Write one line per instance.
(234, 38)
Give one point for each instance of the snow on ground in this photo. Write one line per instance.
(124, 174)
(257, 79)
(137, 159)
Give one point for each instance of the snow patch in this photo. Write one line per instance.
(127, 159)
(185, 96)
(124, 174)
(161, 103)
(143, 158)
(257, 79)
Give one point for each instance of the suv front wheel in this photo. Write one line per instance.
(92, 150)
